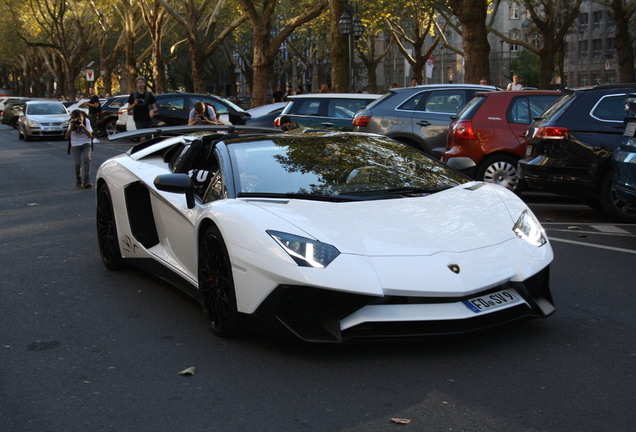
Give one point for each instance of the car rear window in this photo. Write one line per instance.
(524, 109)
(610, 108)
(471, 108)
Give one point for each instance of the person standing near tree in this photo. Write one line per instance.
(143, 104)
(514, 85)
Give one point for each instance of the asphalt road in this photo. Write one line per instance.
(86, 349)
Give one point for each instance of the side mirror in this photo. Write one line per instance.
(463, 164)
(177, 183)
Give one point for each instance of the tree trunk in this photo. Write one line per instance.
(624, 48)
(472, 16)
(339, 51)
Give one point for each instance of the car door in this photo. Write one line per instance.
(433, 113)
(522, 111)
(172, 110)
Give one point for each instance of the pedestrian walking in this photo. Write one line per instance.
(80, 135)
(94, 107)
(143, 105)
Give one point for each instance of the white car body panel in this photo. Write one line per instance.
(390, 247)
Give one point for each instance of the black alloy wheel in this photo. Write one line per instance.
(216, 284)
(107, 231)
(614, 206)
(110, 128)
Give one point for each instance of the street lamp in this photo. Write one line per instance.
(351, 26)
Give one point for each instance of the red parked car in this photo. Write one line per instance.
(490, 129)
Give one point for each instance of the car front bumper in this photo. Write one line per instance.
(320, 315)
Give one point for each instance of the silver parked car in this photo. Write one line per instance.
(417, 116)
(333, 111)
(43, 119)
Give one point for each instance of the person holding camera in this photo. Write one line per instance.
(202, 114)
(143, 105)
(80, 136)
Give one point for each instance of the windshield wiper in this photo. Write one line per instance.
(399, 191)
(334, 198)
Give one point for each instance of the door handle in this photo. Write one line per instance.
(423, 123)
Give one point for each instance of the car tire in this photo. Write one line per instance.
(617, 209)
(110, 128)
(107, 238)
(500, 169)
(14, 122)
(216, 284)
(20, 136)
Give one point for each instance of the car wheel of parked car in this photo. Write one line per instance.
(110, 128)
(500, 169)
(20, 136)
(107, 231)
(616, 208)
(217, 284)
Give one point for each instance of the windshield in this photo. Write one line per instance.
(46, 109)
(315, 165)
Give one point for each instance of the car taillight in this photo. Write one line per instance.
(550, 132)
(277, 122)
(361, 121)
(121, 111)
(463, 129)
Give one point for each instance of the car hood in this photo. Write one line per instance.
(464, 218)
(43, 118)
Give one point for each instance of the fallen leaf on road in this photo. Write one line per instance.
(188, 371)
(400, 421)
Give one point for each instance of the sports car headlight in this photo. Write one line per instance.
(529, 229)
(306, 252)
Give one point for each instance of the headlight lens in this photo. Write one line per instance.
(529, 229)
(306, 252)
(33, 123)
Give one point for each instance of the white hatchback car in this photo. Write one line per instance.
(43, 119)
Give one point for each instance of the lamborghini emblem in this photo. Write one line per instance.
(454, 268)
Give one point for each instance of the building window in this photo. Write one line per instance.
(597, 18)
(514, 11)
(611, 48)
(514, 48)
(583, 79)
(597, 47)
(583, 22)
(582, 49)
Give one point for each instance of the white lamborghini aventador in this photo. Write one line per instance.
(334, 237)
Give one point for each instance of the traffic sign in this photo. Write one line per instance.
(90, 75)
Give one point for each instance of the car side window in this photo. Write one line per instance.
(444, 101)
(344, 108)
(218, 106)
(519, 111)
(171, 103)
(524, 109)
(610, 108)
(305, 107)
(413, 102)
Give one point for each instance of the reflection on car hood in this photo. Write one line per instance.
(455, 220)
(48, 117)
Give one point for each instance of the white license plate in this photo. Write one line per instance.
(630, 129)
(492, 301)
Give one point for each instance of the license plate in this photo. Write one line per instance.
(492, 301)
(630, 129)
(528, 151)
